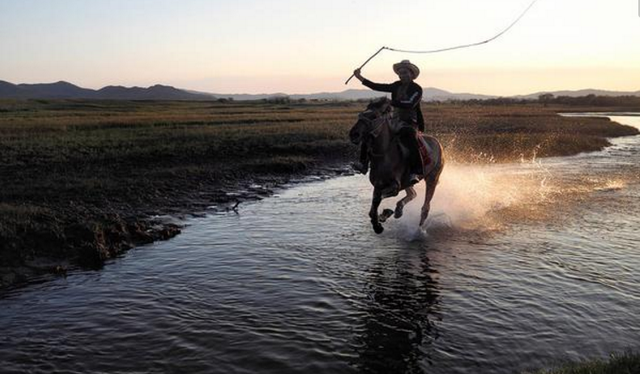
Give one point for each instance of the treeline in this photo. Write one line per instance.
(544, 99)
(487, 102)
(547, 99)
(590, 100)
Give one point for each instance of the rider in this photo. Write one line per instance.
(405, 98)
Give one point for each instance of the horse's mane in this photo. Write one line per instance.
(379, 103)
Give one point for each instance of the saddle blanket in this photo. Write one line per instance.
(424, 151)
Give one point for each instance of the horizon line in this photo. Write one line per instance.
(311, 93)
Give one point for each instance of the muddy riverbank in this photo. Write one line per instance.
(58, 236)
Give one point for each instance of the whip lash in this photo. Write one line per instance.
(448, 48)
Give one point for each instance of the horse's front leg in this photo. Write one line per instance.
(373, 213)
(411, 194)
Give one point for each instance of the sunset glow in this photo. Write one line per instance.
(303, 46)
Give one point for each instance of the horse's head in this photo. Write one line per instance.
(365, 124)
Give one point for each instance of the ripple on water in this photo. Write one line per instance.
(519, 266)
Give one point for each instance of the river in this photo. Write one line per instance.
(521, 266)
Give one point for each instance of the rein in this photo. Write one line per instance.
(375, 131)
(372, 122)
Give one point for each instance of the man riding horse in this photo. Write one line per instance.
(392, 145)
(405, 98)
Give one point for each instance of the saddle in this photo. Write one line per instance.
(395, 125)
(423, 149)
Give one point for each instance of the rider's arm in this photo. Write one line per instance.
(412, 101)
(383, 87)
(374, 86)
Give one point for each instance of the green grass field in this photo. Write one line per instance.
(78, 178)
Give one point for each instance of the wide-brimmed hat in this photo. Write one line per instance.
(407, 64)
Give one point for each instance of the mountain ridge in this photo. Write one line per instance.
(66, 90)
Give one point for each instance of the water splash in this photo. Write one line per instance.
(611, 185)
(478, 198)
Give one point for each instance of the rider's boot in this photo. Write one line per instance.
(417, 171)
(408, 137)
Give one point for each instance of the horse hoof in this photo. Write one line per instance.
(385, 215)
(398, 213)
(378, 229)
(423, 219)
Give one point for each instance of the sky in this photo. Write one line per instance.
(301, 46)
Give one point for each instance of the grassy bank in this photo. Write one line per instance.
(625, 363)
(515, 132)
(81, 179)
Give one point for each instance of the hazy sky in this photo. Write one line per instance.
(300, 46)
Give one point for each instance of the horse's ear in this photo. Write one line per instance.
(372, 104)
(380, 104)
(386, 105)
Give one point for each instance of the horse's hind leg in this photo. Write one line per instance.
(411, 194)
(432, 182)
(373, 213)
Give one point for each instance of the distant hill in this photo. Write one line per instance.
(157, 92)
(428, 94)
(8, 90)
(577, 93)
(58, 90)
(436, 94)
(66, 90)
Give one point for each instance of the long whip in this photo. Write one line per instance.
(448, 48)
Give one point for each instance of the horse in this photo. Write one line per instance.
(389, 162)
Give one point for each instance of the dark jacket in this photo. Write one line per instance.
(408, 106)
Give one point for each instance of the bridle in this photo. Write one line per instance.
(375, 128)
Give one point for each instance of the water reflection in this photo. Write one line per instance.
(398, 323)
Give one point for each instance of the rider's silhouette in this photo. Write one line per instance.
(405, 98)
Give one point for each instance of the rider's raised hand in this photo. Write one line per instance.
(356, 73)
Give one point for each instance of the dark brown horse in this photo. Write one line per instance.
(389, 165)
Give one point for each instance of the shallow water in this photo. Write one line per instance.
(519, 267)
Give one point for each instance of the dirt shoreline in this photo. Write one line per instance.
(121, 231)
